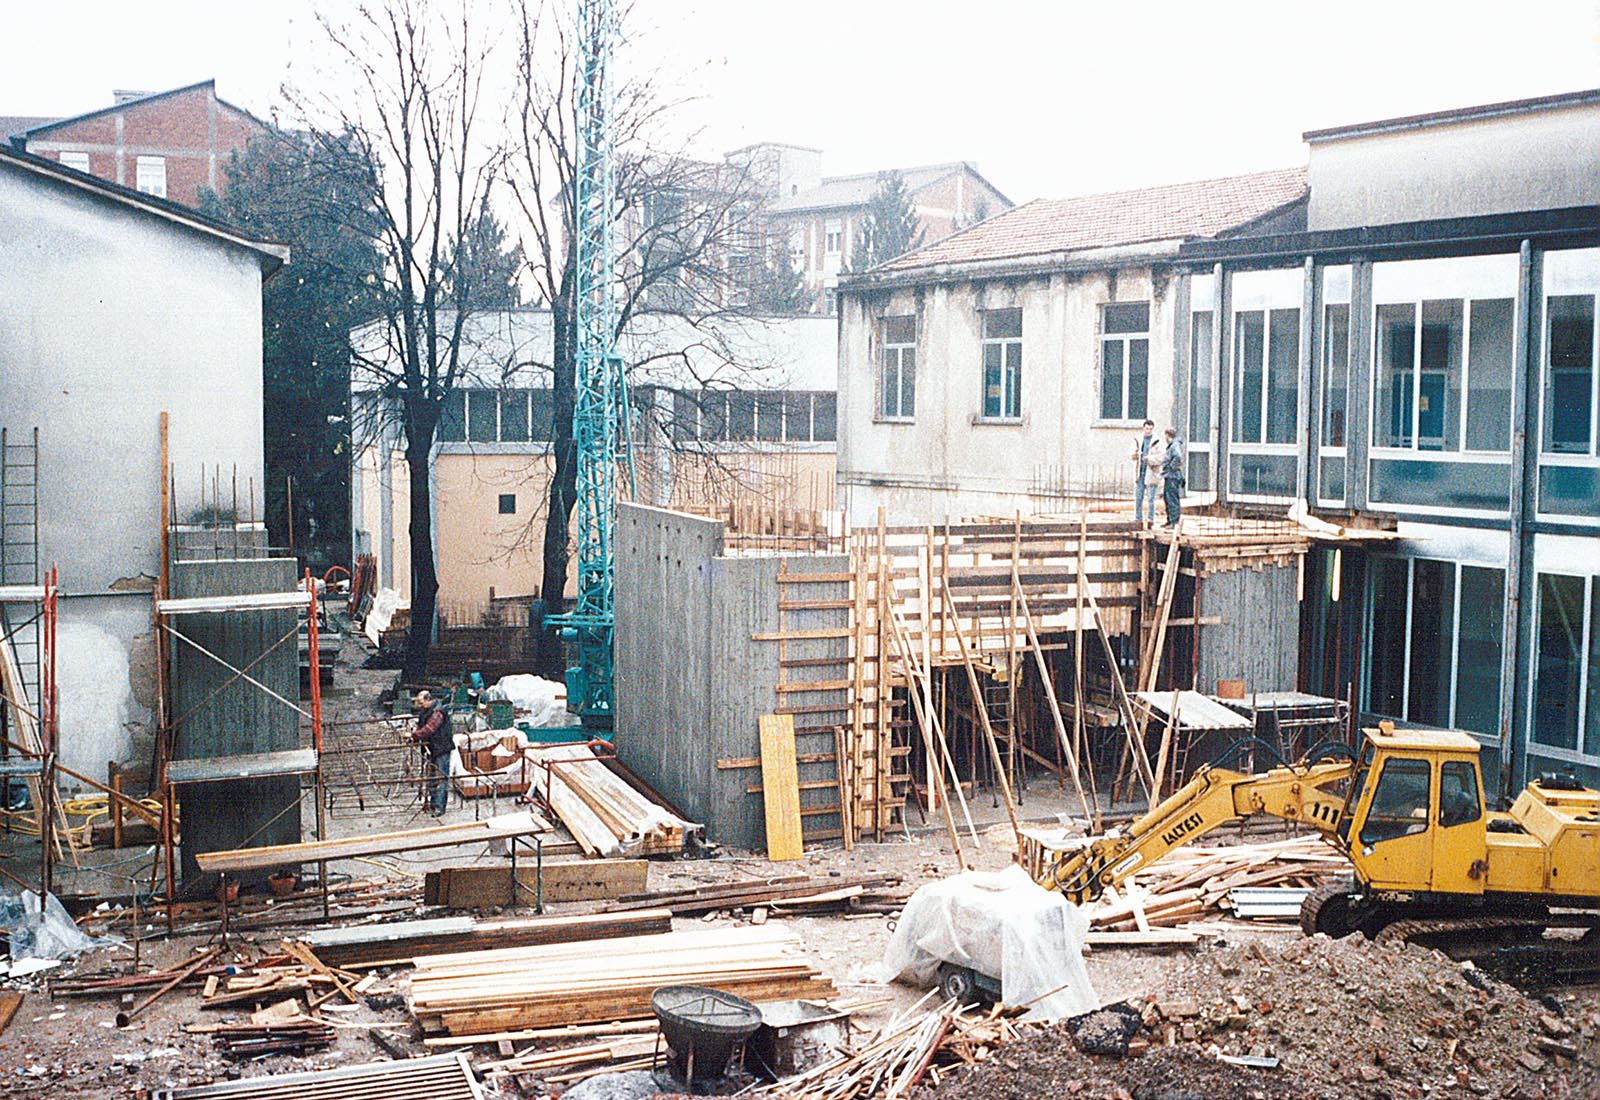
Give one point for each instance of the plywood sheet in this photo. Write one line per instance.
(780, 787)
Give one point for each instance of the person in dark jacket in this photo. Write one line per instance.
(432, 732)
(1172, 476)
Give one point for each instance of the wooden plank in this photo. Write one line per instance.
(780, 778)
(525, 823)
(573, 880)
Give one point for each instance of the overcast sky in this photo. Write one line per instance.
(1048, 98)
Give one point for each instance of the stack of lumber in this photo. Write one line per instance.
(604, 815)
(571, 1064)
(800, 893)
(391, 944)
(294, 1036)
(1193, 883)
(477, 887)
(603, 980)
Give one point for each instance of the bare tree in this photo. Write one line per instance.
(685, 231)
(412, 105)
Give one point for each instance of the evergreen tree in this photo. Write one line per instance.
(778, 287)
(487, 265)
(316, 200)
(890, 227)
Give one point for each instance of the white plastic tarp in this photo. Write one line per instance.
(537, 703)
(1004, 925)
(381, 613)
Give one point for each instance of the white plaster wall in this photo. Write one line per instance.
(107, 318)
(1530, 161)
(945, 463)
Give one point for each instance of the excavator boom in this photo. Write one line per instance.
(1213, 797)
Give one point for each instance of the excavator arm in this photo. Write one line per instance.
(1213, 797)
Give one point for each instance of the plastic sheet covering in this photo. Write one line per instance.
(1004, 925)
(538, 703)
(381, 614)
(47, 933)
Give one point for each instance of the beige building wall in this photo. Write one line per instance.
(947, 462)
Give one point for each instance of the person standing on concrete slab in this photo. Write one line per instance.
(432, 732)
(1144, 497)
(1172, 475)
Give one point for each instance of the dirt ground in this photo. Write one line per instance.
(1325, 1000)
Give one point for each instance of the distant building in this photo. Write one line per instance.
(819, 217)
(168, 144)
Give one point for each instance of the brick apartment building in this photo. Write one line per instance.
(169, 144)
(820, 216)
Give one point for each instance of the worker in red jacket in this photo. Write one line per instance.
(432, 731)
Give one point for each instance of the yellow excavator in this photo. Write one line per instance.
(1430, 862)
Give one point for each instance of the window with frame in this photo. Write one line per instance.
(897, 370)
(1002, 364)
(508, 504)
(1266, 375)
(1443, 375)
(1124, 360)
(150, 176)
(1434, 641)
(833, 237)
(1399, 802)
(1569, 374)
(1566, 686)
(1335, 373)
(1201, 375)
(1459, 803)
(75, 159)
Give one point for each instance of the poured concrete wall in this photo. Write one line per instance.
(1258, 639)
(220, 718)
(690, 681)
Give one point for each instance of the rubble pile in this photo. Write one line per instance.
(1334, 1020)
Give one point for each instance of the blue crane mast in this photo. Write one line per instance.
(600, 398)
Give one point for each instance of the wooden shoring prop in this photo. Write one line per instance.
(983, 718)
(1091, 813)
(1124, 704)
(1166, 743)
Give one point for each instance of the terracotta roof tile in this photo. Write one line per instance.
(1179, 211)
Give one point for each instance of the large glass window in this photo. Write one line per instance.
(1335, 373)
(1567, 668)
(452, 418)
(1124, 360)
(1201, 373)
(1266, 376)
(1489, 374)
(1444, 375)
(1002, 364)
(1434, 641)
(514, 416)
(897, 380)
(1569, 374)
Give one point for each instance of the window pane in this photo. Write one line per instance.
(1397, 334)
(908, 382)
(1386, 637)
(1200, 367)
(1569, 381)
(741, 415)
(453, 418)
(769, 417)
(1335, 374)
(1591, 721)
(514, 416)
(1557, 670)
(542, 422)
(1433, 586)
(1001, 323)
(1111, 380)
(1489, 376)
(899, 330)
(1138, 378)
(797, 417)
(1400, 802)
(1479, 649)
(1013, 374)
(1127, 317)
(825, 417)
(713, 416)
(889, 383)
(1439, 386)
(1247, 377)
(481, 415)
(991, 379)
(1283, 376)
(1458, 794)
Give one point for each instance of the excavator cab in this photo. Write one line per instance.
(1414, 822)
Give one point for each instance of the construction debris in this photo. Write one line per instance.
(390, 944)
(604, 980)
(285, 1037)
(858, 893)
(442, 1077)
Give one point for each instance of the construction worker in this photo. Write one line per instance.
(1172, 475)
(1144, 496)
(432, 732)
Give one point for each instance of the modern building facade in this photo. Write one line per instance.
(1412, 343)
